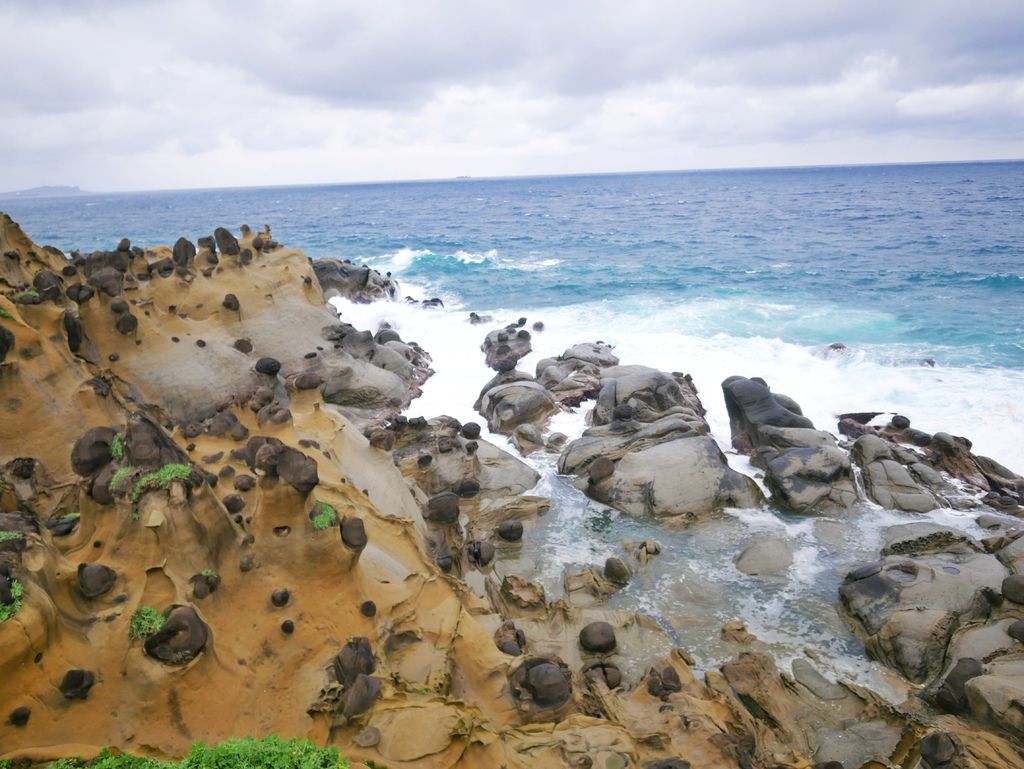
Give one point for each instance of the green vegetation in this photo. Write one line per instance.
(145, 621)
(29, 294)
(208, 573)
(117, 447)
(158, 479)
(324, 516)
(119, 476)
(5, 314)
(8, 610)
(69, 516)
(246, 753)
(8, 536)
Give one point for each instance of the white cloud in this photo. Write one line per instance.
(128, 95)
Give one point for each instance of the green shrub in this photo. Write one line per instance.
(245, 753)
(117, 447)
(8, 536)
(5, 314)
(324, 516)
(145, 621)
(8, 610)
(158, 479)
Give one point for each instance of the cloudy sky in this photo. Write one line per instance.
(140, 94)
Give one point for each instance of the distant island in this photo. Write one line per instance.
(44, 192)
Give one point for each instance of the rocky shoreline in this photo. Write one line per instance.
(216, 520)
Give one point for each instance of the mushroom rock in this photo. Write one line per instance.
(268, 366)
(355, 659)
(6, 343)
(19, 716)
(353, 533)
(183, 253)
(443, 508)
(598, 637)
(617, 570)
(603, 671)
(541, 681)
(91, 452)
(127, 324)
(95, 580)
(361, 695)
(182, 636)
(510, 531)
(226, 242)
(297, 469)
(76, 683)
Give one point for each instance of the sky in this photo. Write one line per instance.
(161, 94)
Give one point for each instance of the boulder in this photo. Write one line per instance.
(180, 639)
(503, 348)
(886, 480)
(906, 609)
(355, 659)
(651, 394)
(509, 405)
(812, 479)
(357, 283)
(752, 406)
(765, 555)
(687, 478)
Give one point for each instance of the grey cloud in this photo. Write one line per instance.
(503, 85)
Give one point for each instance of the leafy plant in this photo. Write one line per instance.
(117, 447)
(145, 621)
(28, 294)
(119, 476)
(8, 536)
(158, 479)
(5, 314)
(272, 752)
(8, 610)
(208, 573)
(324, 516)
(70, 516)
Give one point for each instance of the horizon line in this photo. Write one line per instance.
(506, 177)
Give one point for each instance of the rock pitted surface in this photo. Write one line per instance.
(204, 509)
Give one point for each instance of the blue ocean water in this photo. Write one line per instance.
(903, 262)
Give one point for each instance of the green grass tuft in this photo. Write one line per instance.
(8, 610)
(145, 621)
(5, 314)
(117, 447)
(158, 479)
(119, 476)
(8, 536)
(324, 517)
(271, 752)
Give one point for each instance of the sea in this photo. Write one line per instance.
(889, 288)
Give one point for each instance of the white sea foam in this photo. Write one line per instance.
(795, 611)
